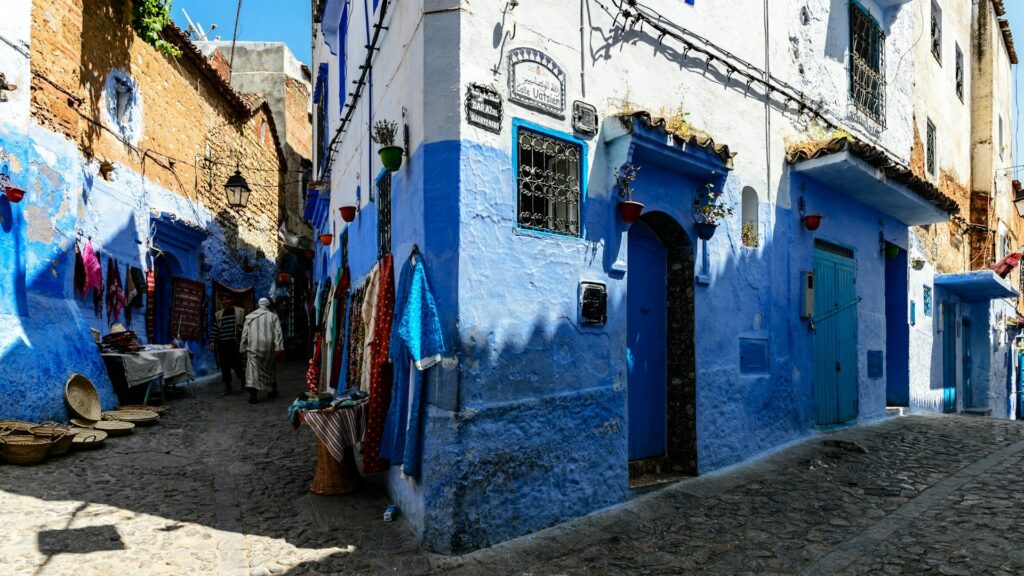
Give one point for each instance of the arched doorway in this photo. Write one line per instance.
(661, 398)
(166, 267)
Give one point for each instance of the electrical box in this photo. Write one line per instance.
(807, 310)
(593, 304)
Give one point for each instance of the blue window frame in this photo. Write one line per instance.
(322, 118)
(342, 57)
(927, 301)
(550, 174)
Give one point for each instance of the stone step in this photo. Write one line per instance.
(976, 411)
(896, 410)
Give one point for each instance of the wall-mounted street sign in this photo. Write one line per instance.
(584, 118)
(484, 107)
(536, 81)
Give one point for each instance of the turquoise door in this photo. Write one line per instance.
(646, 352)
(965, 348)
(948, 357)
(835, 336)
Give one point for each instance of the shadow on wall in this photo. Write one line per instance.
(106, 43)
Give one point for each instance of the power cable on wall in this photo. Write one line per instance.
(634, 13)
(360, 84)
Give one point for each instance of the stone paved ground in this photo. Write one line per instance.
(219, 487)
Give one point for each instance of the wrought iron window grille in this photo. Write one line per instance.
(959, 73)
(867, 65)
(549, 183)
(384, 215)
(936, 31)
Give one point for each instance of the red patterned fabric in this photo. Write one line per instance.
(380, 381)
(150, 304)
(313, 374)
(340, 298)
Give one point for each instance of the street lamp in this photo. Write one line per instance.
(237, 190)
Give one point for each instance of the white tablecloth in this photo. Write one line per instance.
(142, 367)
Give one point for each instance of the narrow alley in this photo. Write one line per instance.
(220, 487)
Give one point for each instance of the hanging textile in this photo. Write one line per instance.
(244, 298)
(369, 313)
(416, 342)
(150, 304)
(355, 339)
(131, 292)
(380, 378)
(345, 339)
(187, 309)
(79, 271)
(340, 298)
(115, 294)
(313, 373)
(93, 269)
(328, 350)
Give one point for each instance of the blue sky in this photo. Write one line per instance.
(264, 20)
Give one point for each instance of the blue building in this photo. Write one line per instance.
(127, 160)
(585, 353)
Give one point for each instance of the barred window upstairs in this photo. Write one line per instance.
(384, 215)
(549, 183)
(930, 148)
(937, 32)
(867, 62)
(959, 73)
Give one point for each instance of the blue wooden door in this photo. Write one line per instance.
(967, 363)
(948, 357)
(646, 351)
(835, 338)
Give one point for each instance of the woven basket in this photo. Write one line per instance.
(137, 417)
(24, 449)
(60, 438)
(82, 399)
(86, 439)
(15, 427)
(158, 409)
(114, 427)
(331, 477)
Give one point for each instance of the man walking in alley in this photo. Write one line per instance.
(227, 331)
(262, 339)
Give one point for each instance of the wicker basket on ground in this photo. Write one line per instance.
(24, 449)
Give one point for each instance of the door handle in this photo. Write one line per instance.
(838, 367)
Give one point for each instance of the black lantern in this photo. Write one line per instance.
(1018, 198)
(237, 190)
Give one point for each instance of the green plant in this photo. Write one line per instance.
(710, 207)
(748, 234)
(817, 132)
(149, 17)
(384, 132)
(624, 176)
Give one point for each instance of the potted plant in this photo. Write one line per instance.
(711, 210)
(892, 251)
(326, 239)
(348, 213)
(629, 208)
(917, 263)
(384, 132)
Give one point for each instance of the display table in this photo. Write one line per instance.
(337, 431)
(153, 368)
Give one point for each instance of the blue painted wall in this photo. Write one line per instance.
(44, 323)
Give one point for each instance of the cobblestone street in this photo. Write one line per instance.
(220, 487)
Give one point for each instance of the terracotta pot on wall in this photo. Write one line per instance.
(630, 210)
(326, 239)
(13, 194)
(812, 221)
(348, 213)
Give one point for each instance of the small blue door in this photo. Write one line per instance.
(968, 364)
(646, 356)
(835, 335)
(948, 357)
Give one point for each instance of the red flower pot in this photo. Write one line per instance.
(348, 213)
(630, 210)
(326, 239)
(14, 195)
(812, 221)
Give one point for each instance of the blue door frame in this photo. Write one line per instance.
(966, 362)
(835, 338)
(646, 353)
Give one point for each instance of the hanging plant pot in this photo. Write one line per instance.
(14, 194)
(391, 157)
(326, 239)
(892, 251)
(917, 263)
(812, 221)
(348, 213)
(630, 210)
(705, 231)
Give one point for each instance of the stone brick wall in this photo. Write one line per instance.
(192, 134)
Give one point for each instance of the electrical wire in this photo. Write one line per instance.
(234, 37)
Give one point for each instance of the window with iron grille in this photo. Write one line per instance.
(549, 182)
(867, 62)
(321, 130)
(937, 32)
(959, 73)
(384, 215)
(929, 153)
